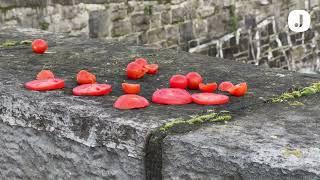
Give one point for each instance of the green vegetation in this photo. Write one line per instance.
(292, 152)
(233, 16)
(148, 10)
(44, 25)
(11, 43)
(313, 89)
(208, 118)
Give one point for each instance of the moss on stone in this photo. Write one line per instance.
(11, 43)
(44, 25)
(292, 152)
(207, 118)
(313, 89)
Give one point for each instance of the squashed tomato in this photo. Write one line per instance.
(135, 70)
(45, 74)
(92, 90)
(209, 99)
(210, 87)
(85, 77)
(141, 61)
(178, 81)
(39, 46)
(152, 68)
(239, 89)
(171, 96)
(131, 88)
(45, 85)
(194, 79)
(131, 101)
(225, 86)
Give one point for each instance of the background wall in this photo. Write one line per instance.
(251, 31)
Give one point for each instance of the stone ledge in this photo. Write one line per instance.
(92, 122)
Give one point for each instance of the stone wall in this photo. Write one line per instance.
(252, 31)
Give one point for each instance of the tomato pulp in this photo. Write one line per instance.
(45, 74)
(131, 101)
(171, 96)
(225, 86)
(92, 90)
(210, 87)
(178, 81)
(85, 77)
(39, 46)
(152, 68)
(45, 85)
(194, 79)
(131, 88)
(239, 89)
(210, 99)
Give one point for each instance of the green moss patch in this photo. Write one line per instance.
(198, 120)
(11, 43)
(313, 89)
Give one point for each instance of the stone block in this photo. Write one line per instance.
(99, 24)
(186, 32)
(166, 17)
(172, 35)
(155, 35)
(140, 22)
(178, 14)
(200, 28)
(120, 28)
(155, 21)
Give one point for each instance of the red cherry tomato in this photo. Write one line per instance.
(131, 88)
(45, 85)
(141, 61)
(135, 70)
(210, 99)
(131, 101)
(239, 89)
(171, 96)
(92, 90)
(39, 46)
(45, 74)
(225, 86)
(152, 68)
(210, 87)
(194, 79)
(178, 81)
(85, 77)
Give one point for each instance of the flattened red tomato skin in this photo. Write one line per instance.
(141, 61)
(135, 71)
(85, 77)
(45, 85)
(210, 99)
(210, 87)
(92, 90)
(131, 88)
(131, 101)
(194, 79)
(225, 86)
(239, 89)
(39, 46)
(171, 96)
(45, 74)
(178, 81)
(152, 68)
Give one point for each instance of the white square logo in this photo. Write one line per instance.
(299, 20)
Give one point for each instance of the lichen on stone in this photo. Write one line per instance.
(199, 119)
(11, 43)
(310, 90)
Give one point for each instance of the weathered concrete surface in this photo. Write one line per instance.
(91, 123)
(273, 141)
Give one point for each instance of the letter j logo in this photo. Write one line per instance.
(299, 20)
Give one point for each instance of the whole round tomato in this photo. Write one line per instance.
(131, 101)
(194, 79)
(171, 96)
(39, 46)
(178, 81)
(135, 70)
